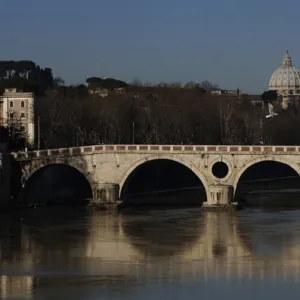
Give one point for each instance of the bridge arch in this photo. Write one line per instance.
(74, 171)
(179, 160)
(252, 162)
(33, 168)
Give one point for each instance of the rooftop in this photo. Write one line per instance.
(14, 92)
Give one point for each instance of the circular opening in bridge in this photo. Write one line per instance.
(269, 183)
(163, 182)
(220, 169)
(57, 184)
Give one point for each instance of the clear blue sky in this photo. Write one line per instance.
(233, 43)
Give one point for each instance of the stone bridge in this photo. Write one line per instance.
(106, 167)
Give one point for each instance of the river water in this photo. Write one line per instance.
(153, 253)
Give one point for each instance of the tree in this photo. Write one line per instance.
(191, 84)
(58, 81)
(208, 85)
(25, 75)
(161, 115)
(136, 82)
(269, 96)
(106, 83)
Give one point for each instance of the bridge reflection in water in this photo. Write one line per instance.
(42, 250)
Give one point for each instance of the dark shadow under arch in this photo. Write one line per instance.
(15, 179)
(269, 183)
(163, 181)
(57, 184)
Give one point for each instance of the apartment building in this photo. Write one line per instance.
(17, 107)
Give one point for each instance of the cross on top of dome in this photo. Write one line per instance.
(287, 61)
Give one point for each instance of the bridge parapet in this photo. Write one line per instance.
(177, 149)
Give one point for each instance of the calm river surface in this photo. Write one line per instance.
(182, 253)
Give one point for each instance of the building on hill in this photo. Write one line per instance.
(99, 92)
(17, 108)
(286, 79)
(254, 99)
(234, 93)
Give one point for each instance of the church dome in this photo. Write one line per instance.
(286, 79)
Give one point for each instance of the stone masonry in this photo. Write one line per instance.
(106, 166)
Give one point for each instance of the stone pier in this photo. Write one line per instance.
(219, 196)
(4, 176)
(106, 195)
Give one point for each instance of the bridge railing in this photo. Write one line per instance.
(202, 149)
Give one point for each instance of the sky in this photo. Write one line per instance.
(232, 43)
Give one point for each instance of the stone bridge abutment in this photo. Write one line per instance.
(107, 167)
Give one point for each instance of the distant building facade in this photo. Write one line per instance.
(17, 108)
(99, 92)
(225, 92)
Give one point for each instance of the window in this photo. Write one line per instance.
(11, 115)
(22, 104)
(11, 104)
(22, 115)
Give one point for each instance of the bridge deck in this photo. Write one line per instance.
(245, 149)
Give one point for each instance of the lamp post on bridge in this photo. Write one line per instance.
(133, 132)
(39, 133)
